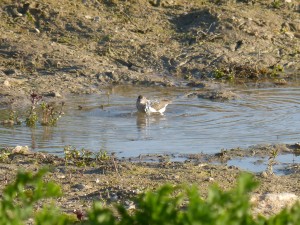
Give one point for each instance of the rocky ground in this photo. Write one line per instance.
(54, 48)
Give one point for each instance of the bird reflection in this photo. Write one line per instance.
(144, 121)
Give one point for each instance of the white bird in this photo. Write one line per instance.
(151, 106)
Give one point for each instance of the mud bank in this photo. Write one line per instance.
(80, 46)
(111, 180)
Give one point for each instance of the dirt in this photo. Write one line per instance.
(65, 47)
(118, 181)
(55, 48)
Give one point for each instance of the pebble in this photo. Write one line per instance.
(272, 202)
(209, 179)
(129, 205)
(60, 176)
(8, 122)
(21, 150)
(264, 174)
(114, 197)
(176, 177)
(6, 83)
(79, 186)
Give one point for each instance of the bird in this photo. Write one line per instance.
(151, 106)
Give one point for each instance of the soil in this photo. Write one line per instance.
(61, 47)
(54, 48)
(113, 180)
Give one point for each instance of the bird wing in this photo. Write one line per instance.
(158, 105)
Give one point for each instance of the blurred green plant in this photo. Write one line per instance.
(169, 205)
(18, 199)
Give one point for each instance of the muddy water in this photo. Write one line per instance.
(109, 121)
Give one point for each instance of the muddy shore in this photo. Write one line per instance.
(58, 47)
(112, 180)
(55, 48)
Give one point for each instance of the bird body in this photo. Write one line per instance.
(151, 106)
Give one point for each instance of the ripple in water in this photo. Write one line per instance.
(190, 125)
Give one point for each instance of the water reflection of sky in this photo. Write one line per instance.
(190, 125)
(256, 164)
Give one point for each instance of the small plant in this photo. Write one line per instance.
(14, 117)
(188, 76)
(32, 118)
(276, 70)
(221, 74)
(71, 154)
(78, 157)
(276, 4)
(102, 155)
(272, 160)
(4, 154)
(49, 115)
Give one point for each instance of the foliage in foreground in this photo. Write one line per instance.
(168, 205)
(19, 198)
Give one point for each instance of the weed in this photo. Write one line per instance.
(276, 69)
(80, 158)
(32, 118)
(221, 74)
(272, 160)
(71, 154)
(49, 115)
(4, 153)
(102, 155)
(14, 117)
(276, 4)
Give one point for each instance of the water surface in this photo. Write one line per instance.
(189, 125)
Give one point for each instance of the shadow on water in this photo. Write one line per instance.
(109, 121)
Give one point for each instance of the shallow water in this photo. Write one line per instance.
(189, 125)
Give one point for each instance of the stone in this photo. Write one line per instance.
(6, 83)
(21, 150)
(78, 186)
(272, 203)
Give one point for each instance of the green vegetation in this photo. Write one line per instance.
(42, 113)
(4, 154)
(276, 70)
(83, 157)
(222, 74)
(276, 4)
(19, 198)
(168, 205)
